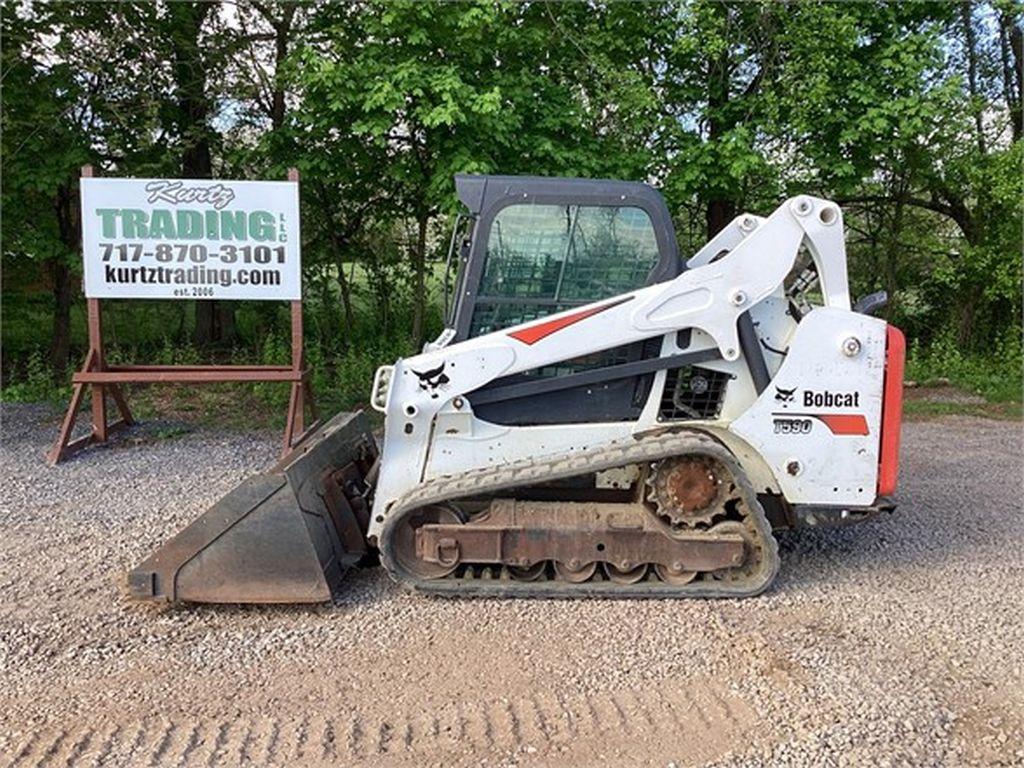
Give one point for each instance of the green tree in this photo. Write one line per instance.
(909, 114)
(907, 117)
(436, 89)
(70, 97)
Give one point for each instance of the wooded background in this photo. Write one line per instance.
(908, 114)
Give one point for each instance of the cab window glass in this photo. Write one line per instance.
(569, 253)
(612, 251)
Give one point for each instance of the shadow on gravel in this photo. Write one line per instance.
(915, 539)
(359, 587)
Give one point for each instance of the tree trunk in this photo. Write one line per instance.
(966, 316)
(970, 43)
(62, 284)
(282, 31)
(719, 213)
(282, 35)
(419, 257)
(215, 323)
(1012, 45)
(894, 249)
(60, 343)
(721, 208)
(215, 320)
(225, 314)
(343, 286)
(190, 87)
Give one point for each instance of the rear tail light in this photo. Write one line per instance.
(892, 410)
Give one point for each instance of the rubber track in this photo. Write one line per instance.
(529, 472)
(544, 721)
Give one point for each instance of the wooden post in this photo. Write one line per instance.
(297, 348)
(99, 396)
(302, 390)
(94, 363)
(99, 400)
(298, 361)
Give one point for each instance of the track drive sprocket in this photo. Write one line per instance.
(686, 490)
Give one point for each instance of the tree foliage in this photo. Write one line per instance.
(909, 114)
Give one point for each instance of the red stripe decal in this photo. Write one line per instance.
(844, 424)
(892, 411)
(534, 333)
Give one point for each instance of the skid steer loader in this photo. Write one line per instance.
(599, 417)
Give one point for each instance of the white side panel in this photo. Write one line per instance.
(470, 444)
(775, 328)
(725, 240)
(810, 424)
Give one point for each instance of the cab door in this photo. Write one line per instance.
(541, 246)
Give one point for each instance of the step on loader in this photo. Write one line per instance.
(600, 417)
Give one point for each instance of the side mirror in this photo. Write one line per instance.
(872, 303)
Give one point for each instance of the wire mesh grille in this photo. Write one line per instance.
(692, 392)
(493, 316)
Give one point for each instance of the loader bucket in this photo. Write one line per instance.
(284, 536)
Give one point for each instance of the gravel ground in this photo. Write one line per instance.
(896, 642)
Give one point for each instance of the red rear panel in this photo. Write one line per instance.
(892, 411)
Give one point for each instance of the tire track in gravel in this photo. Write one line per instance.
(101, 746)
(695, 714)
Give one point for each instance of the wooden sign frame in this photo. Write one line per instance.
(106, 379)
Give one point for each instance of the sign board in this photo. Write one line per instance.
(191, 239)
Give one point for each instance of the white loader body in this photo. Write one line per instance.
(814, 435)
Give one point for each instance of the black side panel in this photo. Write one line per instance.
(610, 401)
(752, 353)
(619, 400)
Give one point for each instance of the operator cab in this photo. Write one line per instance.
(532, 246)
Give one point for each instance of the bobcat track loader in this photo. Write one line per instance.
(599, 417)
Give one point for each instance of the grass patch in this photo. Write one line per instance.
(996, 375)
(340, 383)
(926, 409)
(954, 382)
(36, 384)
(169, 433)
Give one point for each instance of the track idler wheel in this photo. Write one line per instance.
(674, 576)
(406, 551)
(575, 574)
(753, 553)
(527, 572)
(625, 575)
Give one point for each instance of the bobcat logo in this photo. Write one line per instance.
(433, 379)
(785, 395)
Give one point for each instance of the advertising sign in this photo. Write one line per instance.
(190, 239)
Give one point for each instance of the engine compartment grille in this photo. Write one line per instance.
(692, 392)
